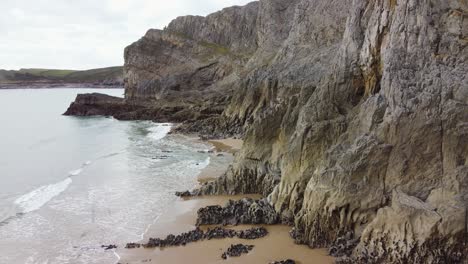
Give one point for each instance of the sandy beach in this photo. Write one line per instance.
(230, 145)
(277, 245)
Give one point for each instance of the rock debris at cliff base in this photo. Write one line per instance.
(200, 235)
(244, 211)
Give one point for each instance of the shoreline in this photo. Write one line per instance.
(181, 217)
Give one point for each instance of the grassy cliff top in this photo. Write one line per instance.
(80, 76)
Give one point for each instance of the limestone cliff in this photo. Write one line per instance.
(354, 115)
(362, 118)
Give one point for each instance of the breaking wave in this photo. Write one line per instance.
(160, 131)
(40, 196)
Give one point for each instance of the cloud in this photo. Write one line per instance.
(87, 33)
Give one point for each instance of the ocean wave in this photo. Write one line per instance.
(108, 156)
(203, 164)
(75, 172)
(160, 131)
(40, 196)
(80, 170)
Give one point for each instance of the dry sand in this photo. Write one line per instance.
(277, 245)
(230, 145)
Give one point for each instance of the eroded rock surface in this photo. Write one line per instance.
(363, 106)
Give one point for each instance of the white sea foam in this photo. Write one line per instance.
(75, 172)
(40, 196)
(160, 131)
(194, 168)
(204, 164)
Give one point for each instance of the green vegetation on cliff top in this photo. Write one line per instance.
(31, 75)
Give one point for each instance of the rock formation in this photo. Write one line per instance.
(245, 211)
(199, 235)
(354, 115)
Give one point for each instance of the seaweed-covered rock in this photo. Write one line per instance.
(133, 245)
(199, 235)
(244, 211)
(237, 250)
(288, 261)
(253, 233)
(219, 232)
(176, 240)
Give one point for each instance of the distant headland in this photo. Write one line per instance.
(110, 77)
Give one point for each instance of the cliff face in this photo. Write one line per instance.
(193, 57)
(354, 115)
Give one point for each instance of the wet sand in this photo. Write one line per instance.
(277, 245)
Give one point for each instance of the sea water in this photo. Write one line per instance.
(71, 184)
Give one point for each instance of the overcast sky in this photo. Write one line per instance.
(84, 34)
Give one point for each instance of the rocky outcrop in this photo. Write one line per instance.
(95, 104)
(354, 115)
(100, 104)
(245, 211)
(237, 250)
(197, 235)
